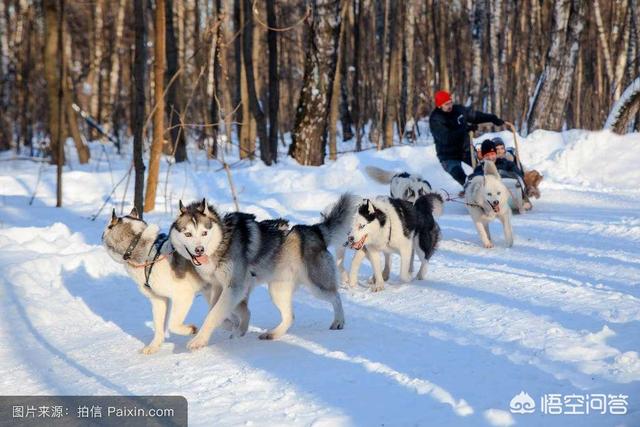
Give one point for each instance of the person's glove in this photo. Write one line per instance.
(498, 121)
(472, 127)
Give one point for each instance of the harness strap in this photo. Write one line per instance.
(132, 246)
(455, 199)
(160, 241)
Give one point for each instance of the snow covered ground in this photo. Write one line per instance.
(557, 314)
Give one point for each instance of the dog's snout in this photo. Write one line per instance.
(199, 250)
(350, 239)
(495, 203)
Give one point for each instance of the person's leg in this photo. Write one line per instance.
(454, 168)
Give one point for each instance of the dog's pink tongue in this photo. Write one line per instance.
(202, 259)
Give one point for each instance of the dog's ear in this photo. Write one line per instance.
(202, 207)
(114, 217)
(134, 213)
(490, 168)
(183, 210)
(370, 207)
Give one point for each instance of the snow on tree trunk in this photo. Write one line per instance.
(625, 108)
(549, 102)
(307, 145)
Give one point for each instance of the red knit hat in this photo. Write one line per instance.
(442, 96)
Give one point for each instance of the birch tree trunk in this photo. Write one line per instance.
(408, 116)
(311, 115)
(496, 72)
(549, 103)
(115, 66)
(95, 76)
(477, 18)
(393, 88)
(335, 91)
(625, 108)
(158, 115)
(622, 52)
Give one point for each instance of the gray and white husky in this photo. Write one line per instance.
(407, 186)
(392, 225)
(234, 253)
(487, 198)
(161, 276)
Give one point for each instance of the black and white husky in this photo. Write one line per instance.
(161, 275)
(407, 186)
(233, 252)
(392, 225)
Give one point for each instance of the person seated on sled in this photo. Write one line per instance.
(506, 168)
(531, 178)
(503, 154)
(450, 125)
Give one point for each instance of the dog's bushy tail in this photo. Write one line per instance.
(379, 175)
(429, 230)
(430, 202)
(337, 219)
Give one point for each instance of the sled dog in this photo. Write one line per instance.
(161, 276)
(234, 252)
(392, 225)
(486, 199)
(407, 186)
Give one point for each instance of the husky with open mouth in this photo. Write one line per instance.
(392, 225)
(487, 198)
(234, 252)
(162, 275)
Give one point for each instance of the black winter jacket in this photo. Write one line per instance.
(451, 130)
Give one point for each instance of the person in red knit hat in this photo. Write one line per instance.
(450, 125)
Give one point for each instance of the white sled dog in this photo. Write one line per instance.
(392, 225)
(160, 275)
(407, 186)
(234, 253)
(487, 198)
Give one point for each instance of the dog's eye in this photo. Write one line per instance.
(187, 234)
(498, 193)
(204, 233)
(361, 226)
(488, 194)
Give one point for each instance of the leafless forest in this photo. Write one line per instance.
(247, 72)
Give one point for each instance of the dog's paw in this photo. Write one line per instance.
(197, 343)
(150, 349)
(488, 245)
(377, 287)
(268, 336)
(337, 325)
(405, 279)
(344, 277)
